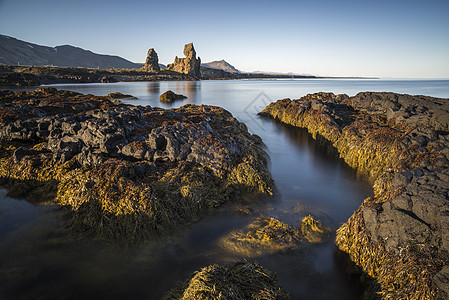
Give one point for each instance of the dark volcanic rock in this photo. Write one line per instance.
(108, 79)
(406, 110)
(152, 62)
(189, 65)
(18, 79)
(401, 235)
(126, 172)
(170, 96)
(119, 96)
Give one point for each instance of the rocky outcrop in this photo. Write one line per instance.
(400, 236)
(189, 65)
(152, 62)
(26, 76)
(125, 172)
(18, 79)
(119, 96)
(170, 96)
(242, 281)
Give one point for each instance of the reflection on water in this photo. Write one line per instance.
(154, 88)
(39, 259)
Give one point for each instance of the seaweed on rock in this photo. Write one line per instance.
(400, 237)
(241, 281)
(126, 173)
(267, 235)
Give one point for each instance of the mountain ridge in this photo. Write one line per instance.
(17, 52)
(221, 65)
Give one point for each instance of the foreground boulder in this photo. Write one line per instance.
(400, 237)
(125, 172)
(242, 281)
(189, 65)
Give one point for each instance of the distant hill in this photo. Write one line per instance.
(14, 51)
(221, 65)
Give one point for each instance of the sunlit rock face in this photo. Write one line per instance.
(126, 172)
(189, 65)
(152, 62)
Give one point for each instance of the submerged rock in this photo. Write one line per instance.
(313, 231)
(266, 235)
(119, 96)
(126, 172)
(400, 237)
(170, 96)
(189, 65)
(242, 281)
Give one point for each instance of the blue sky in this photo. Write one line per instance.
(394, 38)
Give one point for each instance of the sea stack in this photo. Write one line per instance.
(152, 62)
(189, 65)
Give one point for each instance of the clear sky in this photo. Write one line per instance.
(382, 38)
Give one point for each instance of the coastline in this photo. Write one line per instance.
(39, 75)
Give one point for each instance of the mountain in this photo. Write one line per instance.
(14, 51)
(221, 65)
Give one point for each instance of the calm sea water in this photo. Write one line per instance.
(38, 259)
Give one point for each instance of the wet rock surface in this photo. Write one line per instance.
(125, 172)
(241, 281)
(400, 236)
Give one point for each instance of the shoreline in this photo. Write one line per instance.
(42, 75)
(398, 238)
